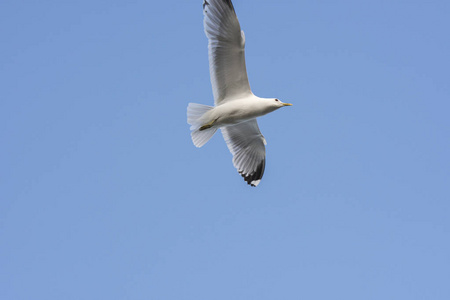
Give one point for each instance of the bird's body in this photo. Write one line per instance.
(236, 107)
(238, 111)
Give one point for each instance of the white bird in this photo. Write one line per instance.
(236, 108)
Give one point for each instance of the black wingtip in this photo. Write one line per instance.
(256, 175)
(229, 3)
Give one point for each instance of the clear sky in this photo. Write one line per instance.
(104, 196)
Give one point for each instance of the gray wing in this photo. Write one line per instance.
(226, 51)
(246, 143)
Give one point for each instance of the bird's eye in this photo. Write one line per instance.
(277, 100)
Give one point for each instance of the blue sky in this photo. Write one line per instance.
(104, 196)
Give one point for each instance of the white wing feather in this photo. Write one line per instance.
(226, 51)
(246, 143)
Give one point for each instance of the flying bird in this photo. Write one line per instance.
(236, 107)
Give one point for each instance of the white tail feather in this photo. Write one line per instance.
(199, 138)
(194, 118)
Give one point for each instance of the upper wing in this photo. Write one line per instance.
(226, 50)
(246, 143)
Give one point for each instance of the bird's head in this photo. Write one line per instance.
(271, 104)
(277, 103)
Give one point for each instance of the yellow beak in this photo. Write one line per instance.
(287, 104)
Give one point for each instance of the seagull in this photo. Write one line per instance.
(236, 107)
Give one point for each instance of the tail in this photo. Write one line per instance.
(194, 118)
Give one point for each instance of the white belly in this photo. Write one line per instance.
(234, 112)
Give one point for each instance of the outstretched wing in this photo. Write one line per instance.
(246, 143)
(226, 51)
